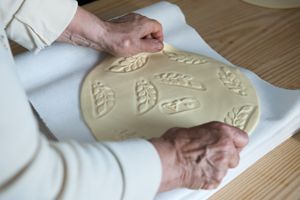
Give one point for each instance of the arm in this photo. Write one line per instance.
(125, 36)
(109, 170)
(34, 168)
(217, 144)
(197, 157)
(36, 24)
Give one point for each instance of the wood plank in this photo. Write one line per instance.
(276, 176)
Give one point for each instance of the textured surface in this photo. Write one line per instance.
(265, 41)
(275, 3)
(147, 94)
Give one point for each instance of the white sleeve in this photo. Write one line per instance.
(34, 168)
(35, 24)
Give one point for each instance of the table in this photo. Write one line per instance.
(266, 41)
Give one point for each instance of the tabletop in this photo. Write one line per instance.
(266, 41)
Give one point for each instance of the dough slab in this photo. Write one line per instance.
(146, 94)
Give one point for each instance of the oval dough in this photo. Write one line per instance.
(146, 94)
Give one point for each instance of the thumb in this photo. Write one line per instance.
(151, 45)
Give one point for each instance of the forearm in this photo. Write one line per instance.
(85, 30)
(171, 171)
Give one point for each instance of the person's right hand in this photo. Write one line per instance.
(198, 157)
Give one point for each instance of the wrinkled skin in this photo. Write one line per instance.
(125, 36)
(199, 157)
(132, 34)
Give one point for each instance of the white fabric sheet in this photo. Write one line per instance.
(53, 77)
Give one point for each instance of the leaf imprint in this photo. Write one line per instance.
(239, 116)
(230, 80)
(180, 80)
(128, 64)
(185, 58)
(146, 96)
(103, 99)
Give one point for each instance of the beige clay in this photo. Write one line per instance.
(145, 95)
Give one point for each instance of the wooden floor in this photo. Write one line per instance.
(266, 41)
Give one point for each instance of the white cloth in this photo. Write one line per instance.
(34, 168)
(64, 67)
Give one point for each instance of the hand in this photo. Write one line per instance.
(198, 157)
(125, 36)
(132, 34)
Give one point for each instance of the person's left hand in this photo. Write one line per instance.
(132, 34)
(124, 36)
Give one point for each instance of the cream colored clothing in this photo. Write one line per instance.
(31, 167)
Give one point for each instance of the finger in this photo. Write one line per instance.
(154, 28)
(219, 175)
(158, 35)
(220, 159)
(150, 45)
(206, 173)
(212, 184)
(225, 155)
(148, 37)
(240, 138)
(154, 36)
(217, 179)
(234, 161)
(194, 155)
(239, 150)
